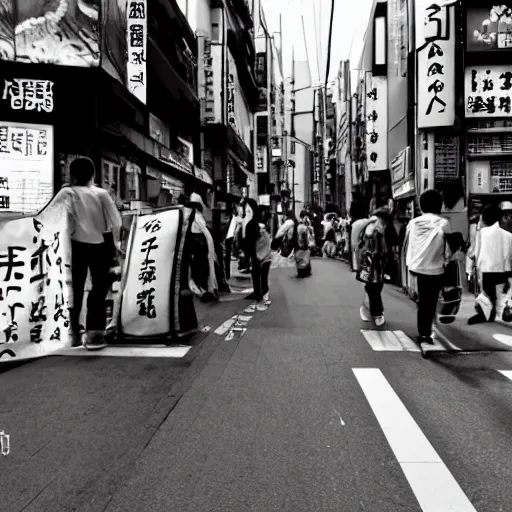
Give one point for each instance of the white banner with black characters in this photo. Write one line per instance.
(488, 91)
(435, 44)
(155, 274)
(376, 122)
(35, 285)
(137, 35)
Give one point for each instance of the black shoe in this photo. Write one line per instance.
(424, 339)
(476, 319)
(252, 296)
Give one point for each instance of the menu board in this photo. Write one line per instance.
(447, 158)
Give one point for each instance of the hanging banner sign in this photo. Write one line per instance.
(376, 122)
(35, 291)
(435, 44)
(152, 304)
(136, 33)
(488, 91)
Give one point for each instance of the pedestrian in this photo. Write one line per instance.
(93, 216)
(426, 256)
(493, 258)
(258, 247)
(359, 220)
(230, 242)
(305, 239)
(374, 255)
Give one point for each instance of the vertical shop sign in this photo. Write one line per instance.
(376, 123)
(488, 91)
(28, 94)
(435, 44)
(136, 34)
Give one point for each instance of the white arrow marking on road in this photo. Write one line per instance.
(434, 486)
(506, 339)
(506, 373)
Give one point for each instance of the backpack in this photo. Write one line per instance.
(372, 253)
(263, 245)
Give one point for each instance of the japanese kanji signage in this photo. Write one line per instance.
(28, 94)
(376, 123)
(26, 167)
(35, 294)
(147, 293)
(435, 43)
(136, 34)
(208, 80)
(488, 91)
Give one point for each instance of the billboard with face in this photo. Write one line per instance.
(63, 32)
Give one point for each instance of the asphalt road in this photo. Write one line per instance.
(303, 412)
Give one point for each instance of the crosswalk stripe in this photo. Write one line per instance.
(433, 485)
(506, 373)
(128, 351)
(390, 341)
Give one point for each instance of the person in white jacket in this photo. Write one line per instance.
(426, 256)
(493, 257)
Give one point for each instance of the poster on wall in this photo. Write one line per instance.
(35, 291)
(157, 270)
(376, 122)
(58, 32)
(435, 44)
(488, 91)
(489, 27)
(26, 167)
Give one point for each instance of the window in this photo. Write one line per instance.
(292, 147)
(111, 177)
(132, 183)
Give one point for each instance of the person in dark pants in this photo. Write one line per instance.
(426, 256)
(93, 214)
(258, 249)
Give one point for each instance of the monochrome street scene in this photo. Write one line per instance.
(255, 256)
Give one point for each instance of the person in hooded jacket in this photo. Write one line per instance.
(426, 257)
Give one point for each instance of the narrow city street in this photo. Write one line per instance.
(302, 411)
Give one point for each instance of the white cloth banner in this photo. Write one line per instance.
(35, 279)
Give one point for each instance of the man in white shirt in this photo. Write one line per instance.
(426, 257)
(493, 257)
(93, 214)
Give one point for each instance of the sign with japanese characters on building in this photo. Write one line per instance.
(147, 293)
(26, 167)
(136, 35)
(435, 44)
(27, 94)
(488, 91)
(376, 123)
(35, 290)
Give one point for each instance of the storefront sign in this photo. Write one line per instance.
(26, 167)
(151, 291)
(376, 122)
(489, 28)
(488, 91)
(209, 73)
(136, 35)
(203, 175)
(401, 178)
(435, 43)
(35, 295)
(28, 94)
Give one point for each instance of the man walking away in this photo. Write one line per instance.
(493, 255)
(93, 213)
(426, 257)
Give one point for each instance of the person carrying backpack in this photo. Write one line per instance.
(426, 256)
(374, 255)
(258, 248)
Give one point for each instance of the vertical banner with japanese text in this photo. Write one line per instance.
(151, 298)
(137, 32)
(435, 45)
(376, 122)
(35, 285)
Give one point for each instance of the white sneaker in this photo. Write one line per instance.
(380, 320)
(363, 313)
(266, 299)
(261, 306)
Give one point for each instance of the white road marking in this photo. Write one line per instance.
(506, 339)
(446, 343)
(391, 341)
(224, 328)
(128, 351)
(506, 373)
(434, 486)
(250, 309)
(342, 423)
